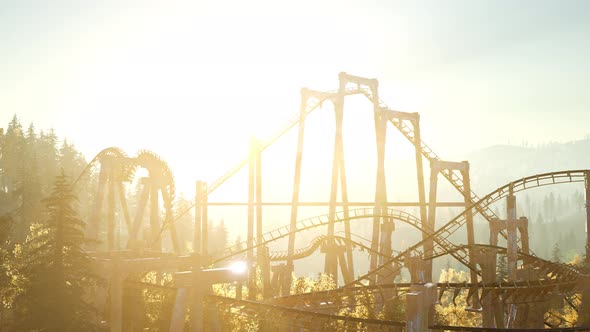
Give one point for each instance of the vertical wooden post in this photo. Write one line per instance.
(198, 292)
(587, 192)
(250, 241)
(496, 304)
(584, 313)
(347, 232)
(420, 172)
(141, 205)
(339, 108)
(155, 241)
(387, 229)
(204, 220)
(258, 162)
(116, 295)
(380, 188)
(470, 230)
(420, 307)
(487, 261)
(346, 275)
(523, 229)
(331, 263)
(296, 186)
(197, 225)
(179, 310)
(111, 214)
(512, 247)
(124, 208)
(430, 225)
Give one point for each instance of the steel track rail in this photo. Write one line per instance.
(444, 232)
(259, 309)
(310, 223)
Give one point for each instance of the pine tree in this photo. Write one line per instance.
(47, 155)
(70, 159)
(556, 253)
(28, 187)
(13, 154)
(6, 289)
(56, 270)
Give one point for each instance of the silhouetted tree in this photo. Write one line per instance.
(556, 253)
(6, 289)
(56, 269)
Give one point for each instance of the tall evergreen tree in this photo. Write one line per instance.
(70, 159)
(28, 187)
(6, 289)
(556, 253)
(13, 154)
(56, 269)
(47, 155)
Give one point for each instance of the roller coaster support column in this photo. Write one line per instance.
(437, 166)
(123, 202)
(255, 208)
(156, 243)
(251, 193)
(417, 267)
(587, 185)
(338, 101)
(487, 261)
(512, 238)
(296, 185)
(199, 282)
(205, 222)
(380, 196)
(584, 314)
(430, 224)
(338, 173)
(414, 118)
(201, 240)
(420, 307)
(199, 193)
(387, 228)
(495, 305)
(419, 169)
(116, 296)
(262, 251)
(264, 263)
(475, 305)
(111, 216)
(380, 191)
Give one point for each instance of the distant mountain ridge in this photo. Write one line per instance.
(497, 165)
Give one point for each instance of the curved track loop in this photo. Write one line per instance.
(444, 232)
(108, 153)
(122, 168)
(158, 169)
(313, 222)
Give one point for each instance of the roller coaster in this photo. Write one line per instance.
(518, 301)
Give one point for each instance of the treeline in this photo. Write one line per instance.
(30, 160)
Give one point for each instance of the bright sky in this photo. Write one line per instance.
(191, 79)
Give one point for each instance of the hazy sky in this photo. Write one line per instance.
(191, 79)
